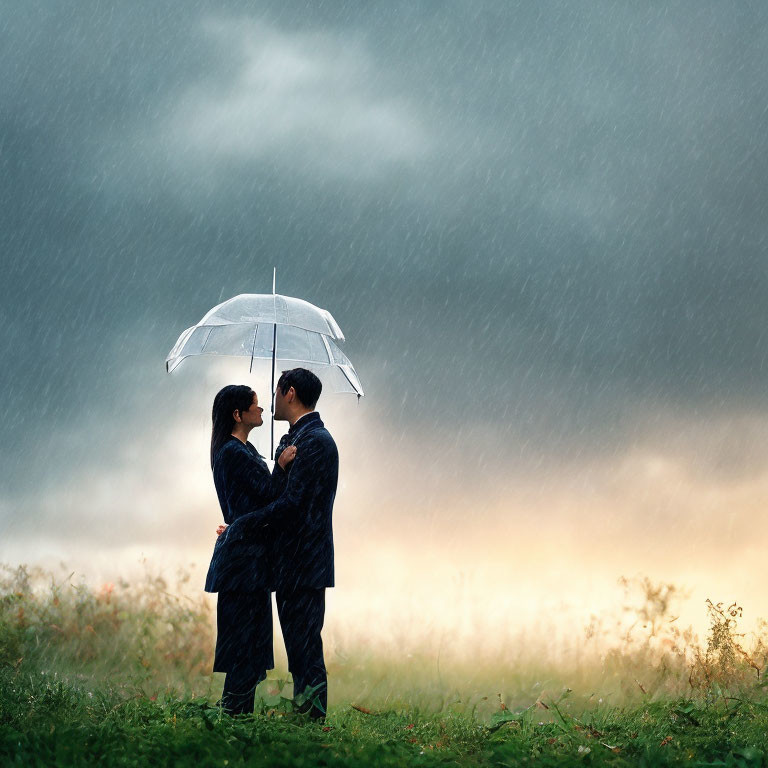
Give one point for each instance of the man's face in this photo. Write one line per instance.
(252, 417)
(281, 404)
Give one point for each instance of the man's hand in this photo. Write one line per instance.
(221, 529)
(287, 456)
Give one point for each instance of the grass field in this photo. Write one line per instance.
(120, 675)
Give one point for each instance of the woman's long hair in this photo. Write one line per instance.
(235, 397)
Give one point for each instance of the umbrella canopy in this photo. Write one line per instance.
(271, 327)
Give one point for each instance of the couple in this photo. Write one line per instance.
(277, 537)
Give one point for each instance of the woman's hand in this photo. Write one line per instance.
(287, 456)
(221, 529)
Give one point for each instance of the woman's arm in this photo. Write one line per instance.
(248, 482)
(307, 471)
(263, 486)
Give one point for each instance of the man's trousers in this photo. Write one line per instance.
(302, 612)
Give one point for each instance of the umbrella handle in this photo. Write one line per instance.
(272, 429)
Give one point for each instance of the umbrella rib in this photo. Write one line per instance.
(350, 381)
(207, 336)
(253, 348)
(327, 348)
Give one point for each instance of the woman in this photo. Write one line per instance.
(242, 579)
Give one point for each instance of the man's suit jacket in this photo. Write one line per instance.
(301, 517)
(243, 483)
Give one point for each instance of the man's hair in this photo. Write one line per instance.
(306, 385)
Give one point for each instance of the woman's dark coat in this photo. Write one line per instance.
(300, 517)
(243, 484)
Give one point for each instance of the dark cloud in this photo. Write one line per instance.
(544, 215)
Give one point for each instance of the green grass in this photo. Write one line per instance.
(56, 722)
(121, 676)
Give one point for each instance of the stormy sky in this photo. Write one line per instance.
(541, 227)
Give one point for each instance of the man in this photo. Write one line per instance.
(301, 518)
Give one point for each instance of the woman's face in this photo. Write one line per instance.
(252, 417)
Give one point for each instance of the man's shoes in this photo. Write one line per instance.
(308, 709)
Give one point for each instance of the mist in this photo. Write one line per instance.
(542, 230)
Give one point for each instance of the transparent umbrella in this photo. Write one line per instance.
(272, 327)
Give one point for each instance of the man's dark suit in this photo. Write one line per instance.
(302, 560)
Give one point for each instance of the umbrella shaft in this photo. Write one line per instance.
(274, 351)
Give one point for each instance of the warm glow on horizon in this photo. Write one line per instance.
(540, 552)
